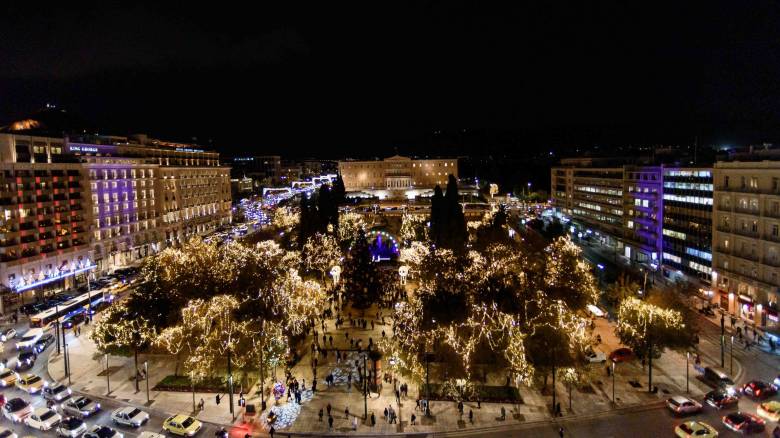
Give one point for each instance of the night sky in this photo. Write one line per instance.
(331, 79)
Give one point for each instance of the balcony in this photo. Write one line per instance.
(751, 257)
(750, 211)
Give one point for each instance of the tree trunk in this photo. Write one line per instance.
(176, 370)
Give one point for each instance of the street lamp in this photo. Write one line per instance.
(108, 374)
(613, 382)
(146, 373)
(335, 272)
(687, 361)
(722, 338)
(731, 366)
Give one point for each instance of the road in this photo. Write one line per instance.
(102, 417)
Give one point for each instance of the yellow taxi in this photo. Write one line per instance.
(182, 425)
(769, 410)
(30, 383)
(695, 429)
(7, 378)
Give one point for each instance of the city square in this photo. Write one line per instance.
(433, 219)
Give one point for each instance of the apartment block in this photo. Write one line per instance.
(746, 239)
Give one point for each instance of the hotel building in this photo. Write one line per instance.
(651, 215)
(70, 205)
(397, 176)
(746, 238)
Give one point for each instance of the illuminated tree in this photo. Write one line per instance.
(567, 275)
(649, 329)
(284, 219)
(361, 281)
(320, 253)
(414, 255)
(413, 228)
(121, 331)
(349, 225)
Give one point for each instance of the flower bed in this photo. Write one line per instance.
(497, 394)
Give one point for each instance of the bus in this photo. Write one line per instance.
(67, 310)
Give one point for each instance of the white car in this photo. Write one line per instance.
(99, 431)
(595, 356)
(7, 334)
(16, 409)
(147, 434)
(71, 427)
(129, 416)
(683, 405)
(29, 339)
(43, 419)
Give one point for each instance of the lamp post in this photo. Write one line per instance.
(108, 379)
(230, 384)
(722, 338)
(146, 372)
(89, 300)
(403, 272)
(57, 325)
(65, 351)
(687, 366)
(335, 272)
(365, 387)
(613, 382)
(427, 384)
(731, 353)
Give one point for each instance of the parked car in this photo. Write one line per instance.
(71, 427)
(46, 340)
(680, 405)
(776, 382)
(43, 419)
(720, 398)
(595, 356)
(719, 378)
(99, 431)
(181, 424)
(621, 355)
(16, 409)
(56, 393)
(7, 334)
(758, 389)
(695, 428)
(7, 378)
(769, 410)
(7, 433)
(129, 416)
(742, 422)
(80, 407)
(25, 360)
(30, 383)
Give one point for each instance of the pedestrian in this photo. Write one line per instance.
(471, 416)
(373, 420)
(414, 418)
(201, 405)
(417, 404)
(354, 423)
(331, 341)
(397, 396)
(328, 408)
(386, 414)
(560, 432)
(372, 325)
(314, 386)
(303, 384)
(321, 415)
(346, 412)
(324, 339)
(330, 422)
(271, 431)
(558, 409)
(609, 371)
(503, 413)
(479, 404)
(383, 333)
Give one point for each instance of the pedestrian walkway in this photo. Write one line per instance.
(590, 398)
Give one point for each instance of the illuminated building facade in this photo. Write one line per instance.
(656, 216)
(397, 175)
(746, 239)
(70, 205)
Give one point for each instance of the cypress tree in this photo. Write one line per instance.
(437, 216)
